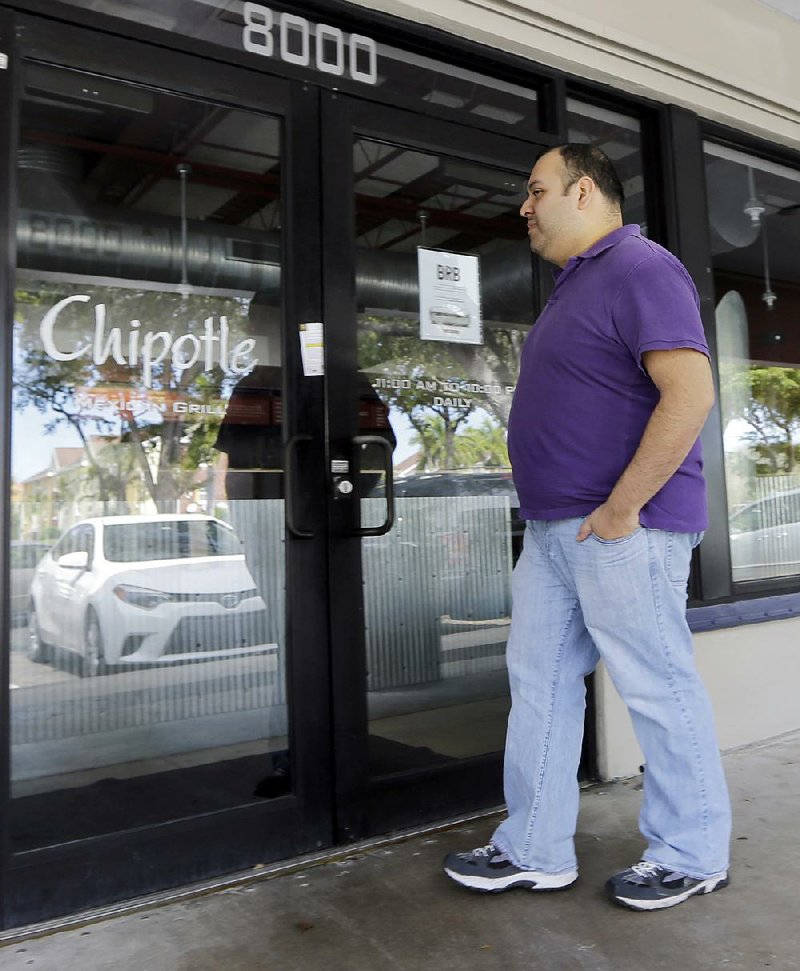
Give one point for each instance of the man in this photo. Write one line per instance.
(614, 388)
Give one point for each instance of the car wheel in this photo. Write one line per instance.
(38, 650)
(94, 661)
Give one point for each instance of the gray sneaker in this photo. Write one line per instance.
(489, 870)
(649, 886)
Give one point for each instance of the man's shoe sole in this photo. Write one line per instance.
(533, 881)
(662, 903)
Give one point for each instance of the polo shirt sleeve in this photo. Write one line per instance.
(657, 308)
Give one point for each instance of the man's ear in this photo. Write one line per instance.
(586, 188)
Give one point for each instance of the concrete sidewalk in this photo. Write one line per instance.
(390, 907)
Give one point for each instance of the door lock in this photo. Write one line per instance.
(342, 487)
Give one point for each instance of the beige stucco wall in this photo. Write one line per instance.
(734, 61)
(753, 676)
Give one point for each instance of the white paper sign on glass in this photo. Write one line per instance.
(449, 297)
(312, 348)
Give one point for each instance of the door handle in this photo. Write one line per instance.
(387, 524)
(288, 455)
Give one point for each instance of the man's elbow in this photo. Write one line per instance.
(698, 407)
(706, 399)
(699, 388)
(690, 405)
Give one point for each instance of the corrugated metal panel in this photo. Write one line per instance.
(447, 558)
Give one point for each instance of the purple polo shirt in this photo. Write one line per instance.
(583, 397)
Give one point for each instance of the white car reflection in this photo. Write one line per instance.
(25, 556)
(126, 590)
(450, 315)
(765, 537)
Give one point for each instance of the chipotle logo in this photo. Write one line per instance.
(148, 349)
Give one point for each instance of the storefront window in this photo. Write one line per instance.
(148, 519)
(754, 218)
(442, 357)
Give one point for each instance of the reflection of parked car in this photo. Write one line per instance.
(467, 482)
(126, 590)
(450, 315)
(765, 537)
(25, 555)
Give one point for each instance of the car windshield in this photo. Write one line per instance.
(775, 511)
(747, 519)
(170, 540)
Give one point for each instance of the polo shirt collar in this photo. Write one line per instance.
(606, 242)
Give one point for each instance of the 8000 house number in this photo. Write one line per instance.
(290, 38)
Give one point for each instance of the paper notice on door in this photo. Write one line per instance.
(449, 297)
(312, 348)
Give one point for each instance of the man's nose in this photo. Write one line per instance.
(526, 208)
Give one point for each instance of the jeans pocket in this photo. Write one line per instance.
(678, 555)
(619, 539)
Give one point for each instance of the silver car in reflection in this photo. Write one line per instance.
(140, 590)
(765, 537)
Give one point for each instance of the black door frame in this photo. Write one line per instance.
(333, 798)
(50, 881)
(367, 806)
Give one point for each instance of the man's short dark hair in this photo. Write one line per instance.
(581, 159)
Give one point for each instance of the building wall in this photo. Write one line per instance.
(733, 61)
(752, 673)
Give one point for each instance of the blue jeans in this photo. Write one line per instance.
(623, 601)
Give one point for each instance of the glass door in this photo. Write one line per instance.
(166, 532)
(431, 323)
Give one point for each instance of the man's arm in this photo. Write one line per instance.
(683, 377)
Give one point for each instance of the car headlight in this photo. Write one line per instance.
(141, 596)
